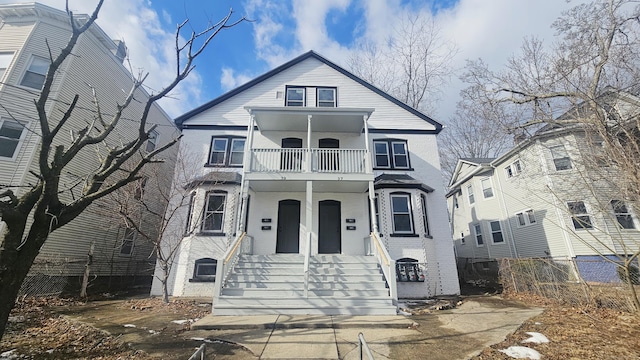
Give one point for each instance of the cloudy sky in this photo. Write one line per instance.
(283, 29)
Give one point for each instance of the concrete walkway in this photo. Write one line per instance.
(451, 334)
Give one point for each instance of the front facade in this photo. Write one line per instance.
(26, 32)
(309, 159)
(552, 196)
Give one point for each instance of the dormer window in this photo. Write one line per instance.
(295, 96)
(326, 97)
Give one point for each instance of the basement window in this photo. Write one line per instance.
(204, 270)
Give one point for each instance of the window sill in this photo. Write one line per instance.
(196, 280)
(222, 166)
(210, 234)
(404, 235)
(394, 169)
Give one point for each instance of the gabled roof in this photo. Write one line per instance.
(310, 54)
(480, 164)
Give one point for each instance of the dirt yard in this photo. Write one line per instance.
(147, 329)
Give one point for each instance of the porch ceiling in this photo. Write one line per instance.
(318, 186)
(323, 119)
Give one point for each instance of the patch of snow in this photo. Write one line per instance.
(400, 312)
(522, 352)
(197, 339)
(180, 322)
(152, 332)
(536, 338)
(129, 325)
(50, 351)
(8, 354)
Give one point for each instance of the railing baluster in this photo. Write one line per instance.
(348, 161)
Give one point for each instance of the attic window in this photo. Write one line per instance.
(295, 96)
(326, 97)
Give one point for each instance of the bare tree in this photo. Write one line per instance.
(48, 205)
(579, 83)
(411, 65)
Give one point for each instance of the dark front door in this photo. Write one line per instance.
(288, 226)
(328, 159)
(329, 239)
(291, 160)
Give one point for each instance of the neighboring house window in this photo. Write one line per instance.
(513, 169)
(487, 190)
(139, 190)
(623, 215)
(477, 231)
(214, 212)
(579, 215)
(326, 97)
(560, 157)
(391, 154)
(295, 96)
(128, 240)
(226, 151)
(526, 217)
(187, 229)
(472, 198)
(401, 213)
(425, 217)
(152, 141)
(205, 269)
(11, 133)
(35, 75)
(496, 232)
(5, 60)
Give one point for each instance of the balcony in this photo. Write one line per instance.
(330, 169)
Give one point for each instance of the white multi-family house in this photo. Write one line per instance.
(27, 32)
(553, 195)
(324, 195)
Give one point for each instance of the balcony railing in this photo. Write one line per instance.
(349, 161)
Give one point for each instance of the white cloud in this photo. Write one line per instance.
(230, 81)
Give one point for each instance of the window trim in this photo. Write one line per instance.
(566, 157)
(477, 234)
(425, 215)
(627, 213)
(124, 239)
(390, 154)
(188, 225)
(24, 74)
(304, 96)
(335, 96)
(23, 135)
(493, 242)
(203, 278)
(490, 188)
(575, 216)
(471, 198)
(229, 140)
(526, 215)
(152, 140)
(11, 55)
(407, 196)
(208, 195)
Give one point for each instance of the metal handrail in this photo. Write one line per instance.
(388, 267)
(363, 346)
(201, 353)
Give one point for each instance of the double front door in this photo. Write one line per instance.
(288, 230)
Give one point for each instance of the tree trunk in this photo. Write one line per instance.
(87, 272)
(14, 267)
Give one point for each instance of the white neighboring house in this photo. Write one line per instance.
(26, 31)
(550, 196)
(301, 154)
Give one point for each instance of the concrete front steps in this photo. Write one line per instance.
(274, 284)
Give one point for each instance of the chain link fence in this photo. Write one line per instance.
(573, 282)
(63, 276)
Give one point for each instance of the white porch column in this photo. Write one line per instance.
(244, 185)
(308, 157)
(369, 167)
(309, 215)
